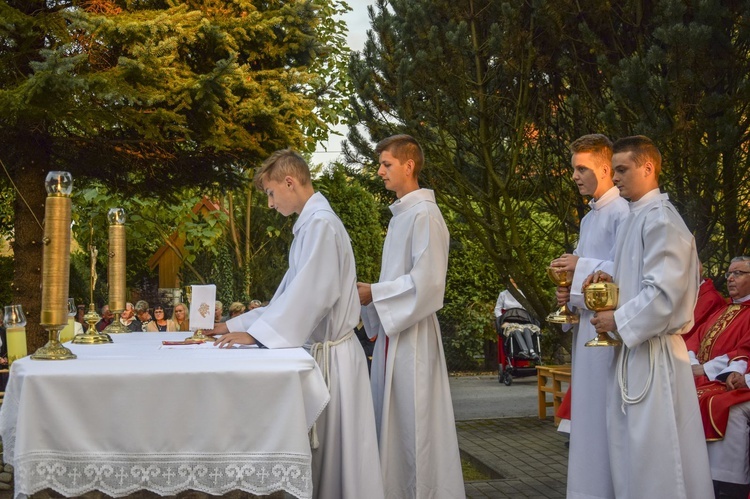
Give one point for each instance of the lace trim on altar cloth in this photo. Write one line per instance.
(119, 474)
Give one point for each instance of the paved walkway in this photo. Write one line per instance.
(526, 456)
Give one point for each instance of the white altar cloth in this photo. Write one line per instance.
(133, 415)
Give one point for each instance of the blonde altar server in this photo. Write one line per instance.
(416, 428)
(655, 432)
(589, 474)
(317, 304)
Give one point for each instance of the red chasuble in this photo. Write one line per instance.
(709, 302)
(726, 332)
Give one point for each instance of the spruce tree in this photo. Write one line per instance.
(152, 95)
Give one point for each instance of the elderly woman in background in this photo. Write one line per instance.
(180, 317)
(80, 313)
(160, 322)
(236, 309)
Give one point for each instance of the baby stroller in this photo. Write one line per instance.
(511, 363)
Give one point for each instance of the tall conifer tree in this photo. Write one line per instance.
(151, 95)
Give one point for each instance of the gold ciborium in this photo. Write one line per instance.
(601, 296)
(563, 315)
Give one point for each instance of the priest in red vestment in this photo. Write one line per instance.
(709, 302)
(718, 351)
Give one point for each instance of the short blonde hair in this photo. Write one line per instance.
(279, 165)
(236, 307)
(597, 144)
(403, 147)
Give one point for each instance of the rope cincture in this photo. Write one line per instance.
(321, 352)
(622, 376)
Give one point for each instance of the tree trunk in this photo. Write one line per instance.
(248, 238)
(27, 245)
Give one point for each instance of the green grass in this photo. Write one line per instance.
(471, 472)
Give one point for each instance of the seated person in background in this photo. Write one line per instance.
(106, 320)
(521, 333)
(219, 316)
(142, 317)
(127, 318)
(709, 301)
(80, 313)
(160, 322)
(180, 317)
(254, 304)
(718, 353)
(235, 309)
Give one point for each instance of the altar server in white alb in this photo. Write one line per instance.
(589, 474)
(655, 432)
(414, 414)
(317, 304)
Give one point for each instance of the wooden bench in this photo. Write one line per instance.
(555, 381)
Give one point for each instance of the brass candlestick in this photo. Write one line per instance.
(56, 265)
(116, 270)
(563, 315)
(601, 296)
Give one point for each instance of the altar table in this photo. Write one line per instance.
(137, 415)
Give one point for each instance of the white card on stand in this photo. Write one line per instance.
(202, 307)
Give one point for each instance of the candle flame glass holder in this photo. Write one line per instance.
(15, 332)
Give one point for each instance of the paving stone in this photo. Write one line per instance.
(528, 453)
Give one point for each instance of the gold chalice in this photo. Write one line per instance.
(563, 315)
(601, 296)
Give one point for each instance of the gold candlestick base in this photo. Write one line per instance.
(199, 337)
(53, 350)
(116, 327)
(94, 338)
(91, 336)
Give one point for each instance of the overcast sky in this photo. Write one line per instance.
(358, 24)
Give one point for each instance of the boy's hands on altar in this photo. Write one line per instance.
(229, 339)
(565, 261)
(219, 329)
(604, 321)
(563, 295)
(698, 370)
(735, 381)
(365, 293)
(597, 276)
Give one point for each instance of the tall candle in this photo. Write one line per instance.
(56, 265)
(116, 270)
(56, 252)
